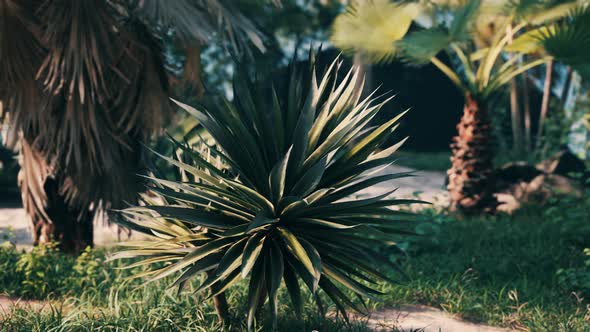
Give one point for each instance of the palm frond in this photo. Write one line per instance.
(372, 28)
(463, 19)
(198, 20)
(569, 42)
(84, 85)
(538, 12)
(85, 137)
(421, 46)
(31, 179)
(20, 56)
(78, 63)
(20, 52)
(530, 41)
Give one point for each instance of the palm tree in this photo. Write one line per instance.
(83, 86)
(481, 36)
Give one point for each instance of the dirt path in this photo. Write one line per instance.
(428, 186)
(425, 319)
(15, 225)
(406, 318)
(6, 304)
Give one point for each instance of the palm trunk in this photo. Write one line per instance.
(71, 227)
(53, 219)
(566, 86)
(545, 102)
(472, 161)
(527, 112)
(193, 71)
(515, 118)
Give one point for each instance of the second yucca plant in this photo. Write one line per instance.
(276, 198)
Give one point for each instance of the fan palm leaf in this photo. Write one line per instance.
(197, 20)
(575, 30)
(373, 27)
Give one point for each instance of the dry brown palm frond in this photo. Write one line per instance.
(20, 53)
(90, 139)
(20, 56)
(81, 37)
(99, 145)
(188, 21)
(31, 179)
(199, 20)
(92, 88)
(142, 104)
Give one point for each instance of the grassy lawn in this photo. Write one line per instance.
(425, 161)
(527, 271)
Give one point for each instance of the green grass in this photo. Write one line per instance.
(425, 161)
(87, 294)
(505, 271)
(528, 271)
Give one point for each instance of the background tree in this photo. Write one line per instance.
(83, 85)
(484, 68)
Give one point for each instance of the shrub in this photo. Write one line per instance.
(43, 271)
(88, 273)
(274, 200)
(9, 278)
(576, 279)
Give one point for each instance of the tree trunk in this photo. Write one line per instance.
(515, 117)
(472, 162)
(193, 71)
(545, 102)
(220, 304)
(527, 112)
(53, 219)
(71, 227)
(566, 86)
(221, 307)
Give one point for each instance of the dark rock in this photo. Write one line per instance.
(513, 173)
(517, 184)
(537, 191)
(563, 163)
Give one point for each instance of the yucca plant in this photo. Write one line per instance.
(487, 39)
(280, 203)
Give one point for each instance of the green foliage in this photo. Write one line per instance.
(88, 272)
(574, 30)
(477, 41)
(273, 201)
(557, 128)
(425, 161)
(45, 273)
(513, 271)
(42, 270)
(105, 299)
(577, 279)
(9, 278)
